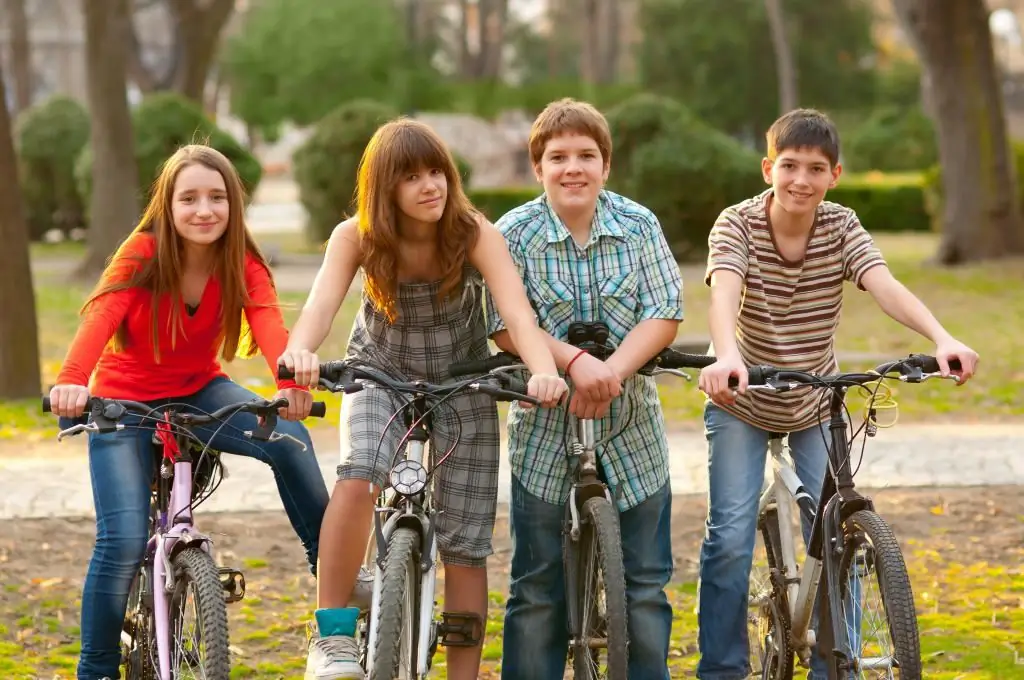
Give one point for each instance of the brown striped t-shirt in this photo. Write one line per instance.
(789, 311)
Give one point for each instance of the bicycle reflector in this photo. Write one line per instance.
(408, 478)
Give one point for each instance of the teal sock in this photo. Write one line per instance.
(337, 621)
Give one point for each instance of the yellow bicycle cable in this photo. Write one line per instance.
(878, 397)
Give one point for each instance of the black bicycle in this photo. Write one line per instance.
(592, 541)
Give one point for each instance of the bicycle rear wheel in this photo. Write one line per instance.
(138, 640)
(600, 647)
(871, 569)
(394, 654)
(198, 618)
(771, 656)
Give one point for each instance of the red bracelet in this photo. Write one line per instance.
(568, 366)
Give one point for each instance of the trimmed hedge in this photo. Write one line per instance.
(883, 204)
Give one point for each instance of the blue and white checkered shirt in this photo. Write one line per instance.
(624, 275)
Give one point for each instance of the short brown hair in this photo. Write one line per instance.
(803, 129)
(568, 115)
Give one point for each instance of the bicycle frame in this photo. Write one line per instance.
(838, 500)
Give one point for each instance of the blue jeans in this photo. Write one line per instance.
(121, 467)
(536, 617)
(737, 454)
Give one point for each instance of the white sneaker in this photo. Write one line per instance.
(335, 657)
(362, 591)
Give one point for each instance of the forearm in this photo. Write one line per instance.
(310, 330)
(641, 344)
(903, 306)
(722, 323)
(562, 352)
(533, 347)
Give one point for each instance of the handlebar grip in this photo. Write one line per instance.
(929, 364)
(670, 358)
(284, 373)
(499, 360)
(46, 405)
(756, 375)
(319, 409)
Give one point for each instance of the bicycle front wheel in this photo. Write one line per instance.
(877, 603)
(394, 654)
(600, 647)
(198, 618)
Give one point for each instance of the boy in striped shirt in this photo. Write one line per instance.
(776, 268)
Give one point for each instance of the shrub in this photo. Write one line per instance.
(892, 139)
(161, 124)
(49, 138)
(325, 165)
(933, 189)
(681, 168)
(885, 203)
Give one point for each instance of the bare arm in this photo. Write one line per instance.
(902, 305)
(491, 257)
(726, 290)
(642, 344)
(341, 262)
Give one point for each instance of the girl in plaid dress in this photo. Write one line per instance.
(425, 255)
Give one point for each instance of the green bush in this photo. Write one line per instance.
(680, 167)
(892, 139)
(161, 124)
(885, 204)
(325, 165)
(49, 137)
(465, 169)
(494, 203)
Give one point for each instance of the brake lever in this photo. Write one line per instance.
(80, 428)
(930, 376)
(672, 371)
(278, 436)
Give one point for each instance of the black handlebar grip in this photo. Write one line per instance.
(929, 364)
(319, 409)
(670, 358)
(284, 373)
(46, 405)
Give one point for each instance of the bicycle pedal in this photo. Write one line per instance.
(233, 582)
(460, 629)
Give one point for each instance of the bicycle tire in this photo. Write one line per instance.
(194, 566)
(399, 593)
(897, 596)
(772, 617)
(139, 650)
(600, 530)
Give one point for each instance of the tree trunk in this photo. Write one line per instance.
(982, 217)
(465, 57)
(785, 67)
(493, 26)
(905, 16)
(21, 54)
(19, 338)
(114, 206)
(610, 43)
(198, 25)
(591, 52)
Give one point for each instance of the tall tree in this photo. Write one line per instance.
(785, 67)
(20, 55)
(19, 338)
(114, 206)
(196, 27)
(982, 216)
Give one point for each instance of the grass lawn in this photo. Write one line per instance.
(980, 304)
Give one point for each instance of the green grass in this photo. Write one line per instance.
(979, 304)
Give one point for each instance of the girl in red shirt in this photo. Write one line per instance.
(187, 285)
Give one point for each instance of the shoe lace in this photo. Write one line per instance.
(338, 645)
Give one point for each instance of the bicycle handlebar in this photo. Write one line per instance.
(668, 358)
(318, 410)
(914, 368)
(343, 376)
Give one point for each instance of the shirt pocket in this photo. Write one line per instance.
(555, 303)
(619, 300)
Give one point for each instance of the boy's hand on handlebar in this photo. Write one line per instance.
(952, 349)
(583, 408)
(68, 401)
(595, 379)
(714, 379)
(305, 365)
(299, 403)
(548, 389)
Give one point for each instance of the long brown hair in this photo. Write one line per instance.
(162, 273)
(397, 148)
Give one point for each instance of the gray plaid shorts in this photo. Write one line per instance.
(429, 336)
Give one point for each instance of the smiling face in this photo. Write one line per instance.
(800, 178)
(573, 172)
(422, 194)
(199, 205)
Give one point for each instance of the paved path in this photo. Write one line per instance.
(52, 480)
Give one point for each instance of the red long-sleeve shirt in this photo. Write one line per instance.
(133, 372)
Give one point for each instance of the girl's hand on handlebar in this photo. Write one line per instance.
(304, 364)
(548, 389)
(68, 401)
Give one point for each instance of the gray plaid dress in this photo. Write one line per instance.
(427, 337)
